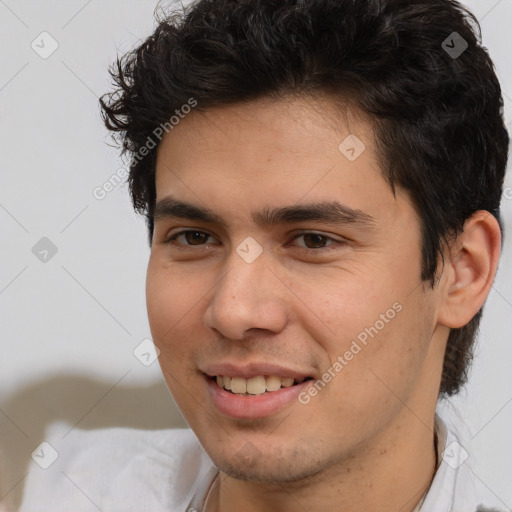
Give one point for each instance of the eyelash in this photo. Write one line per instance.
(173, 237)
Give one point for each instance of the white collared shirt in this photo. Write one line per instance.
(128, 470)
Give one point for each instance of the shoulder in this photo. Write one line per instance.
(454, 487)
(115, 469)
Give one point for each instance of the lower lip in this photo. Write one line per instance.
(253, 406)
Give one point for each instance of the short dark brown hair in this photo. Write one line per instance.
(437, 116)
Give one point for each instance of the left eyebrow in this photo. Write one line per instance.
(328, 211)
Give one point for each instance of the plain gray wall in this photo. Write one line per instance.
(70, 325)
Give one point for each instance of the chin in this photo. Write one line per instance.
(252, 466)
(263, 475)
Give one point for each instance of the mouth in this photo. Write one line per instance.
(256, 389)
(256, 386)
(257, 397)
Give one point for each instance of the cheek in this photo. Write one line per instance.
(159, 298)
(384, 358)
(337, 307)
(169, 298)
(375, 325)
(170, 302)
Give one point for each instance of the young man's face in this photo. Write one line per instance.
(241, 297)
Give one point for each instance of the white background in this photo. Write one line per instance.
(69, 326)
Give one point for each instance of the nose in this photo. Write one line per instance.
(248, 296)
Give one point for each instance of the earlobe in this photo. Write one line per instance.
(470, 270)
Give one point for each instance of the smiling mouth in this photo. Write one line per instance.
(256, 385)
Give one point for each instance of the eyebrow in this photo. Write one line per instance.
(327, 211)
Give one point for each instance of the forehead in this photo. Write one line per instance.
(241, 158)
(270, 137)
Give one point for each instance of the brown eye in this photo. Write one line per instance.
(314, 241)
(195, 237)
(188, 238)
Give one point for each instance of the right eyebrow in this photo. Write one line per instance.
(170, 207)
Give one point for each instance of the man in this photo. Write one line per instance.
(321, 182)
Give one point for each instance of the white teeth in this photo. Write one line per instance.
(238, 385)
(273, 383)
(255, 385)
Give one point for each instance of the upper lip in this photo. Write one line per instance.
(250, 370)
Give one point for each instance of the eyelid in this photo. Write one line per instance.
(323, 235)
(171, 237)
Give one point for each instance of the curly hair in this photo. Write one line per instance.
(437, 115)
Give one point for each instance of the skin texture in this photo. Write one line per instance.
(365, 442)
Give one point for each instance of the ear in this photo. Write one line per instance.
(469, 271)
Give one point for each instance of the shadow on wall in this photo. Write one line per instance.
(81, 402)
